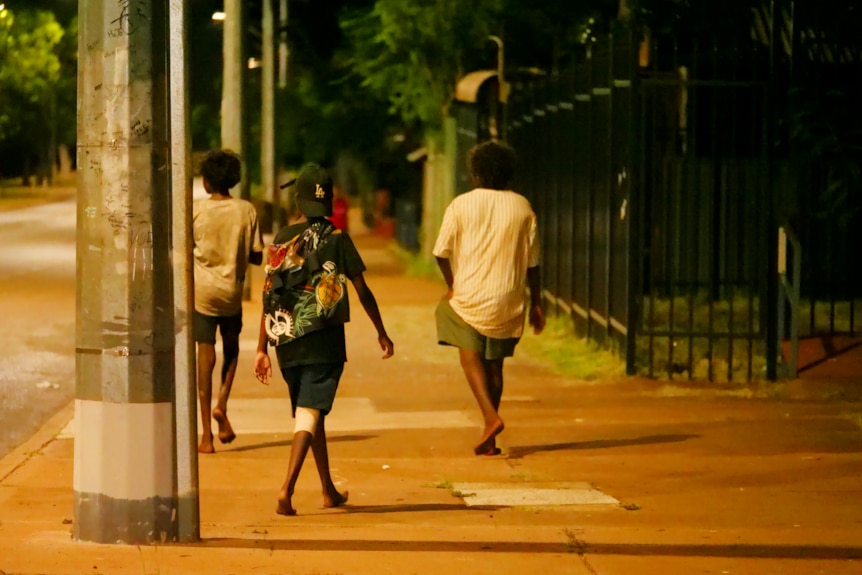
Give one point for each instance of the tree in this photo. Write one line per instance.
(412, 53)
(37, 84)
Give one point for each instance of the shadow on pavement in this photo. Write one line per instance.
(813, 552)
(391, 545)
(729, 551)
(286, 442)
(518, 452)
(416, 507)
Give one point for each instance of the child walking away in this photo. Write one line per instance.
(305, 307)
(488, 252)
(226, 240)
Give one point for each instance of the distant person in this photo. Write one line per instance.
(340, 209)
(226, 239)
(488, 252)
(305, 308)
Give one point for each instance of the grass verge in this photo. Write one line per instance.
(570, 355)
(15, 197)
(415, 264)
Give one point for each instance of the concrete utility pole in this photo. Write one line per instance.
(283, 50)
(267, 119)
(186, 406)
(233, 133)
(124, 472)
(233, 128)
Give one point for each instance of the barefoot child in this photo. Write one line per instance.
(226, 240)
(488, 252)
(305, 309)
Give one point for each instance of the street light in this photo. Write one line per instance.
(219, 16)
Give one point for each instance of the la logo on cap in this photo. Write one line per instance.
(319, 192)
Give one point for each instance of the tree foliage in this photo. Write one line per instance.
(29, 65)
(37, 83)
(324, 110)
(412, 53)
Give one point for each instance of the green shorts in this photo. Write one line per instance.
(452, 330)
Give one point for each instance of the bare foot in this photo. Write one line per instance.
(206, 446)
(488, 438)
(225, 431)
(284, 506)
(493, 451)
(334, 499)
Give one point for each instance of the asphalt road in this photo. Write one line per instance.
(37, 318)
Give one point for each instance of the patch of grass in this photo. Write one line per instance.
(691, 313)
(670, 359)
(415, 264)
(573, 543)
(570, 355)
(442, 484)
(461, 494)
(684, 358)
(15, 197)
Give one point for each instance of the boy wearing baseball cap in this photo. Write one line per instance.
(305, 309)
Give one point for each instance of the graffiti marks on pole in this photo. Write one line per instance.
(141, 251)
(140, 129)
(115, 94)
(132, 16)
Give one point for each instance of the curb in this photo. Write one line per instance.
(37, 442)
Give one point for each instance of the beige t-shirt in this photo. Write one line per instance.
(490, 239)
(226, 233)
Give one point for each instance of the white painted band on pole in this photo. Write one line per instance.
(128, 449)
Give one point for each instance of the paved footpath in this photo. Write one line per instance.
(616, 478)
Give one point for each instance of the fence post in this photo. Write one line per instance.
(635, 208)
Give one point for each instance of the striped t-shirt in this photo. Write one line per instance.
(490, 239)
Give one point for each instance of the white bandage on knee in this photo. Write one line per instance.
(306, 420)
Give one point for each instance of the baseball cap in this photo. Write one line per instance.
(313, 191)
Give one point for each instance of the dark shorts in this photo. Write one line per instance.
(452, 330)
(313, 386)
(205, 327)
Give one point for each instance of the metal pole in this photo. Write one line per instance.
(233, 85)
(188, 505)
(124, 480)
(283, 49)
(233, 132)
(267, 120)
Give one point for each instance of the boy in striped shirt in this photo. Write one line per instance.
(488, 252)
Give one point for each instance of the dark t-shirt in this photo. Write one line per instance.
(326, 345)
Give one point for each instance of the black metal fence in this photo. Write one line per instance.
(660, 169)
(572, 136)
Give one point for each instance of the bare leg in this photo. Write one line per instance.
(298, 450)
(206, 363)
(331, 496)
(230, 345)
(474, 369)
(494, 377)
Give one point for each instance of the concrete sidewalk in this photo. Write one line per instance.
(622, 477)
